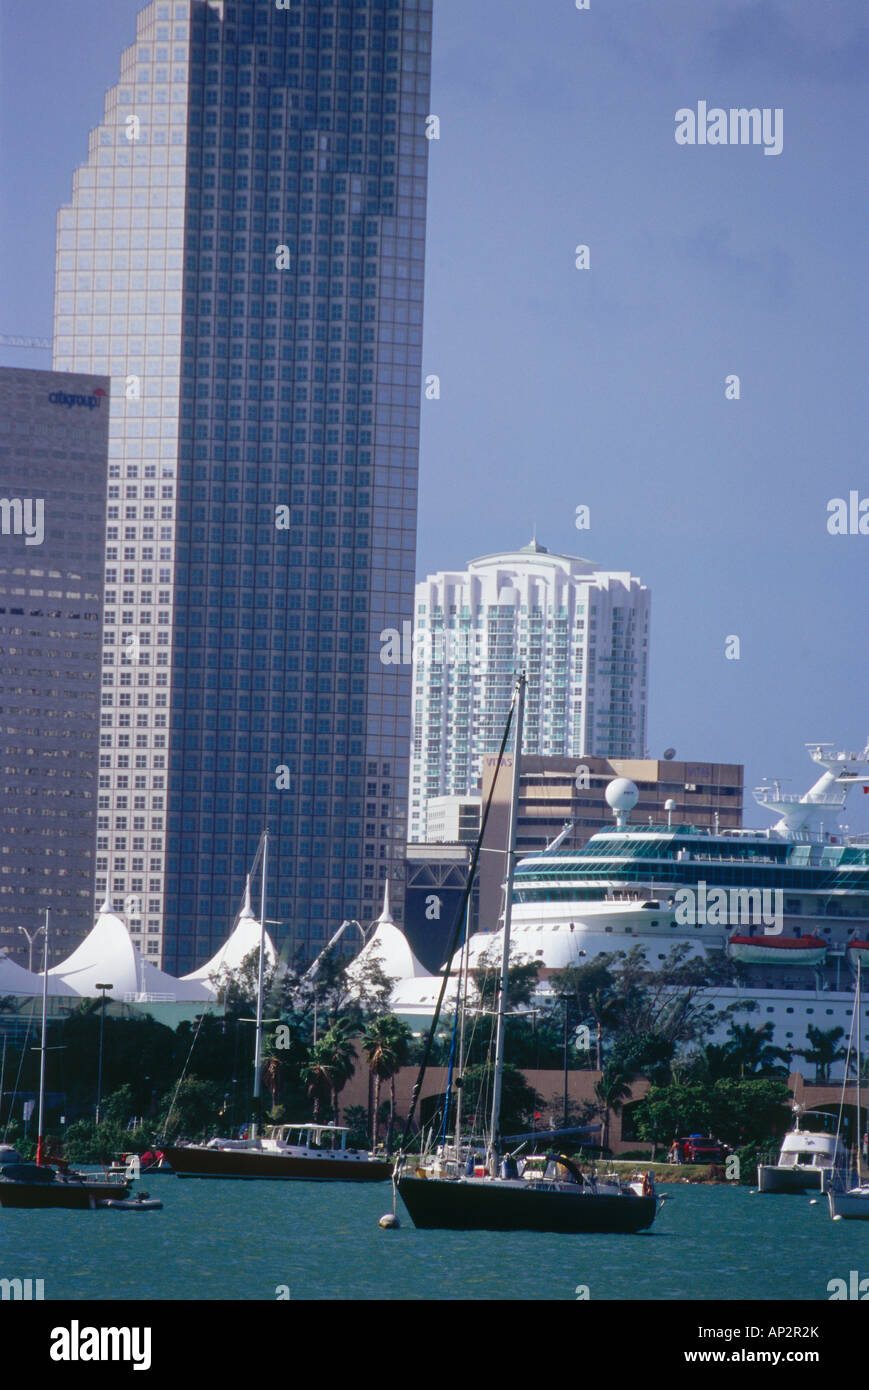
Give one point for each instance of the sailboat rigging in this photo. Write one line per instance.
(853, 1204)
(48, 1182)
(307, 1150)
(550, 1192)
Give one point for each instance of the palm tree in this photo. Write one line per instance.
(753, 1052)
(317, 1075)
(386, 1043)
(403, 1039)
(593, 988)
(272, 1068)
(613, 1089)
(823, 1049)
(340, 1055)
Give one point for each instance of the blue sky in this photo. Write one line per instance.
(605, 386)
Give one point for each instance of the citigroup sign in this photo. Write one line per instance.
(65, 398)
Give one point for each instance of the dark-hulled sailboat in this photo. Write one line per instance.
(449, 1191)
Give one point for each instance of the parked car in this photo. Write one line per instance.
(698, 1148)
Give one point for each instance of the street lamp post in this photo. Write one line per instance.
(31, 940)
(103, 990)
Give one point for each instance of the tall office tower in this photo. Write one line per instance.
(582, 635)
(53, 449)
(244, 255)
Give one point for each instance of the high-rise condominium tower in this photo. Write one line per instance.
(244, 255)
(582, 635)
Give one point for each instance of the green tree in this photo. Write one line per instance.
(519, 1100)
(593, 989)
(823, 1049)
(668, 1112)
(646, 1054)
(739, 1111)
(386, 1044)
(273, 1064)
(403, 1044)
(317, 1076)
(753, 1053)
(522, 977)
(330, 1065)
(189, 1109)
(341, 1056)
(612, 1090)
(356, 1120)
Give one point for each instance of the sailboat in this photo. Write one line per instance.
(853, 1203)
(49, 1183)
(548, 1192)
(305, 1151)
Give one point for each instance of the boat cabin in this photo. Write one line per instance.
(332, 1138)
(801, 1148)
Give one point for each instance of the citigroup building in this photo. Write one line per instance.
(243, 256)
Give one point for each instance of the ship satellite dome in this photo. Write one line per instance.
(622, 794)
(669, 804)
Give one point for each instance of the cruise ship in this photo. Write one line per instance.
(788, 905)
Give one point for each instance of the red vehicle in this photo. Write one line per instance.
(698, 1148)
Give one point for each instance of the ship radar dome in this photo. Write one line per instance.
(622, 794)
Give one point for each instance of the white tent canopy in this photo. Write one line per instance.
(391, 948)
(108, 955)
(244, 938)
(14, 979)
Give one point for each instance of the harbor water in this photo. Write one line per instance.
(263, 1240)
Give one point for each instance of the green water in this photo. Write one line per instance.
(231, 1240)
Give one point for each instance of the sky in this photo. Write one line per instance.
(606, 386)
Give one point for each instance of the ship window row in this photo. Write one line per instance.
(812, 880)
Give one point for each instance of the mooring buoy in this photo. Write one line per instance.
(389, 1222)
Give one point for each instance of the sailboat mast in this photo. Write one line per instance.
(495, 1127)
(857, 1009)
(40, 1131)
(258, 1044)
(462, 1002)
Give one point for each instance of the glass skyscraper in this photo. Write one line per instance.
(244, 256)
(53, 441)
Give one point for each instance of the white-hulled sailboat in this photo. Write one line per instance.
(853, 1203)
(548, 1194)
